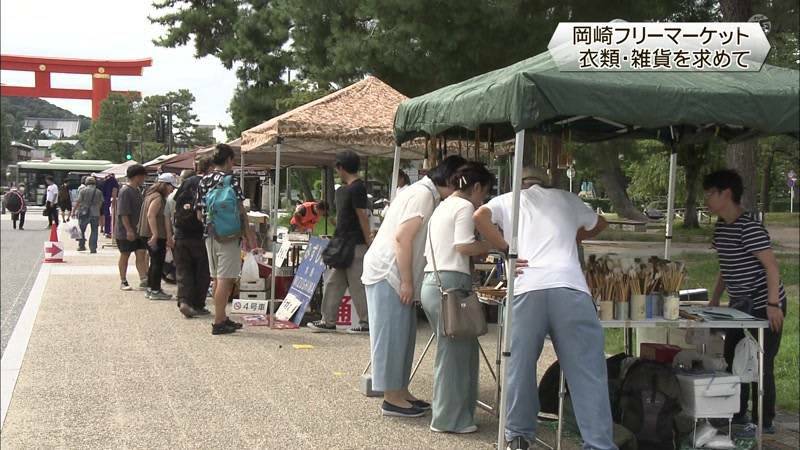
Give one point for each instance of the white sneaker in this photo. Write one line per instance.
(466, 430)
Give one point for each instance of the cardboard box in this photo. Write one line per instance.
(663, 353)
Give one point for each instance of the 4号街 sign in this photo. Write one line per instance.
(308, 275)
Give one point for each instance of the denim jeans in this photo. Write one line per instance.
(392, 335)
(93, 221)
(569, 317)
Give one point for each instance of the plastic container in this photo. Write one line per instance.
(638, 307)
(621, 310)
(709, 395)
(672, 307)
(606, 310)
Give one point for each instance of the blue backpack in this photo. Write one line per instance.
(222, 210)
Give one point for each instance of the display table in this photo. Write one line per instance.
(758, 324)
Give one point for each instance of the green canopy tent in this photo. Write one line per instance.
(593, 106)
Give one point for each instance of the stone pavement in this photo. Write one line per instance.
(110, 369)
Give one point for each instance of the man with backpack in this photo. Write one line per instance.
(551, 297)
(189, 252)
(14, 202)
(225, 221)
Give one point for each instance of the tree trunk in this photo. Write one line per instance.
(692, 172)
(329, 188)
(766, 182)
(614, 183)
(736, 10)
(304, 186)
(743, 157)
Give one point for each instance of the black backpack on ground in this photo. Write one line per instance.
(548, 385)
(185, 217)
(649, 404)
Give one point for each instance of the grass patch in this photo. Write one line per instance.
(787, 219)
(703, 270)
(655, 233)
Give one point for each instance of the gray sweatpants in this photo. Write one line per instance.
(392, 335)
(337, 281)
(455, 372)
(569, 317)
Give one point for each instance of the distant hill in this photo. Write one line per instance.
(22, 107)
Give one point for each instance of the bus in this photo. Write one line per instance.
(33, 173)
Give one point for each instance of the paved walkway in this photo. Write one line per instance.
(110, 369)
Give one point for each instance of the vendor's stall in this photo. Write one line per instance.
(358, 117)
(673, 107)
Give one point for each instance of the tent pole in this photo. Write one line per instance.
(241, 168)
(395, 170)
(673, 168)
(274, 226)
(519, 149)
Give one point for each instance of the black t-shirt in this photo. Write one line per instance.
(349, 198)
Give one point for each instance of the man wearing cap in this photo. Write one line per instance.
(153, 228)
(87, 209)
(551, 297)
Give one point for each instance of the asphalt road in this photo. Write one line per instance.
(20, 259)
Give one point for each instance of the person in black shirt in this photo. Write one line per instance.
(352, 224)
(192, 274)
(749, 271)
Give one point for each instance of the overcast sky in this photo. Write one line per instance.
(111, 29)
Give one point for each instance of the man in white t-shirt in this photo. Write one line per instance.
(51, 201)
(551, 297)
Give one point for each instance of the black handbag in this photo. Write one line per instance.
(340, 252)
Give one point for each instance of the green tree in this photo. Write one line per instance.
(64, 150)
(6, 126)
(108, 137)
(184, 123)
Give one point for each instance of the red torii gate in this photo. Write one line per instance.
(42, 67)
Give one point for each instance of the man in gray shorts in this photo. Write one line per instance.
(129, 206)
(224, 252)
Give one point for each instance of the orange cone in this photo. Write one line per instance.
(53, 249)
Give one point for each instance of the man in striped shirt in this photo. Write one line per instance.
(749, 271)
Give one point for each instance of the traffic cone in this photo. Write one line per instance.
(53, 249)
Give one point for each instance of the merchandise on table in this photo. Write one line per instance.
(628, 288)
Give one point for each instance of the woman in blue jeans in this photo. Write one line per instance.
(450, 244)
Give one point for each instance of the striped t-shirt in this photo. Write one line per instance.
(744, 275)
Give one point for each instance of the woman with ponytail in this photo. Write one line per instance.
(451, 244)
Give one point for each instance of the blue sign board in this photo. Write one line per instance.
(308, 275)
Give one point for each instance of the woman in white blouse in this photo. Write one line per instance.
(451, 244)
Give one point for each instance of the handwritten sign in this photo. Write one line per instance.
(308, 275)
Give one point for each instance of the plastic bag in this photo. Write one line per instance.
(250, 268)
(745, 360)
(72, 229)
(169, 258)
(720, 442)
